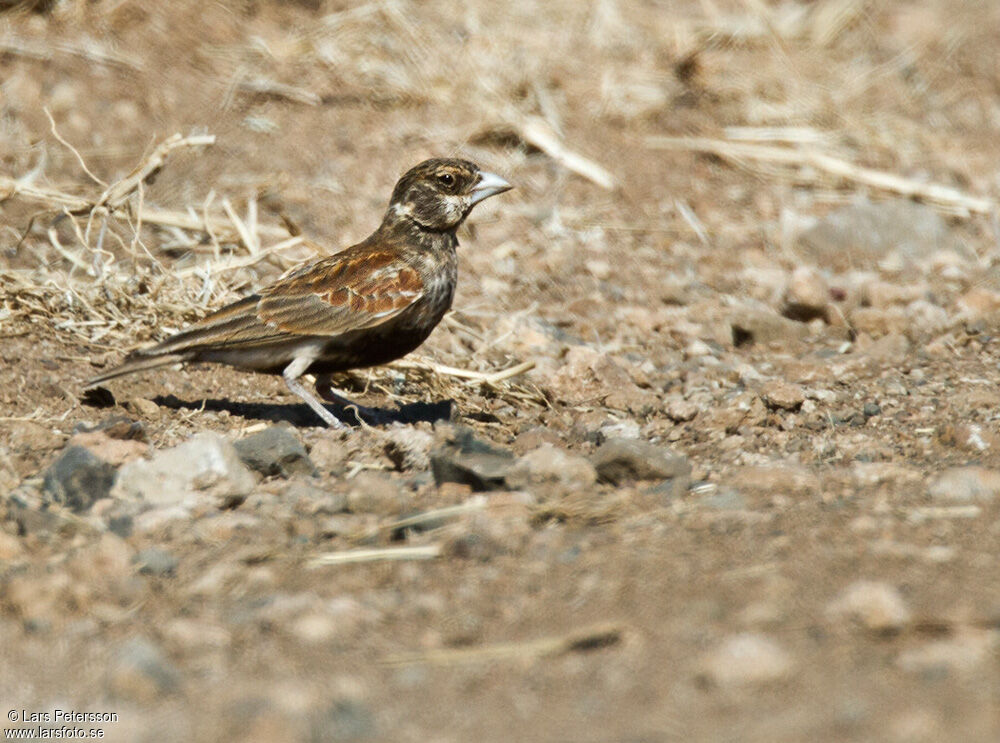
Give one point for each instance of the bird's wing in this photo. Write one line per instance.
(352, 290)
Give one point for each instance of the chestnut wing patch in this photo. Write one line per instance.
(341, 294)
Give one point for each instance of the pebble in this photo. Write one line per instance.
(878, 607)
(408, 447)
(778, 395)
(680, 410)
(78, 478)
(155, 561)
(764, 327)
(550, 466)
(620, 460)
(461, 457)
(205, 466)
(275, 451)
(139, 672)
(747, 659)
(626, 429)
(806, 296)
(964, 484)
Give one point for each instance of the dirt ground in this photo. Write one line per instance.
(752, 249)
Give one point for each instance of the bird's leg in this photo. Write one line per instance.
(325, 390)
(291, 374)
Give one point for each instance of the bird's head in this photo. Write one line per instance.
(439, 194)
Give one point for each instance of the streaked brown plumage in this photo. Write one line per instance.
(367, 305)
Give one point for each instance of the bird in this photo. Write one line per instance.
(364, 306)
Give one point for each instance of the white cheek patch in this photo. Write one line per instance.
(456, 207)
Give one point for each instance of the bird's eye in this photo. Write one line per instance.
(447, 179)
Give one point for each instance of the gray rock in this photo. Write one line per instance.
(155, 561)
(141, 673)
(462, 458)
(860, 235)
(78, 478)
(275, 451)
(204, 466)
(619, 460)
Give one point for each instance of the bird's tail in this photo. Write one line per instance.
(136, 362)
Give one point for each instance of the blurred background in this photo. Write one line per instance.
(712, 196)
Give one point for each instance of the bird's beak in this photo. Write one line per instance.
(489, 184)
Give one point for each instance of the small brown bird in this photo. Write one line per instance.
(367, 305)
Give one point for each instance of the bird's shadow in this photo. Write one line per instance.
(302, 415)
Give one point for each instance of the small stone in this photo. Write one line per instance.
(139, 672)
(680, 410)
(778, 395)
(155, 561)
(871, 409)
(878, 607)
(408, 447)
(807, 295)
(548, 466)
(205, 466)
(747, 659)
(627, 429)
(696, 349)
(461, 457)
(965, 484)
(146, 409)
(619, 460)
(275, 451)
(373, 492)
(764, 327)
(78, 478)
